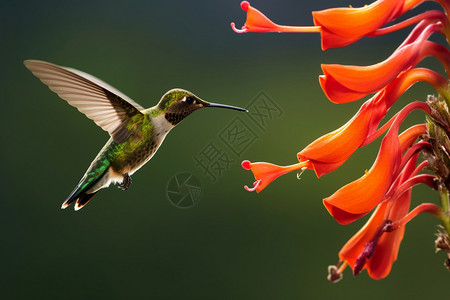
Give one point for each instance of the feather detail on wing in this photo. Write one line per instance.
(107, 107)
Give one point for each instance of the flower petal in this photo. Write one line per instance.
(386, 252)
(380, 263)
(265, 173)
(336, 92)
(363, 194)
(364, 80)
(355, 245)
(331, 150)
(386, 246)
(345, 25)
(368, 79)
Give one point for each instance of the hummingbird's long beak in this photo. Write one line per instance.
(207, 104)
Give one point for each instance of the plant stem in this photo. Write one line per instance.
(445, 208)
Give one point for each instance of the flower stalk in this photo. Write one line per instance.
(445, 215)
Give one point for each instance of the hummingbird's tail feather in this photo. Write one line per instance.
(80, 193)
(67, 203)
(83, 200)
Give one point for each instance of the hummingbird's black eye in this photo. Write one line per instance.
(189, 100)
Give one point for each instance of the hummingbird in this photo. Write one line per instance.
(135, 133)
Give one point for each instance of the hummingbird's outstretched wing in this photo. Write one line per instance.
(100, 102)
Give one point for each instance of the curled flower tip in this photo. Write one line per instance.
(256, 21)
(333, 274)
(237, 30)
(244, 5)
(299, 174)
(255, 186)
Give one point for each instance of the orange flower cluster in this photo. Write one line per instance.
(386, 186)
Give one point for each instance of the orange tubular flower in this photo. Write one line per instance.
(375, 246)
(359, 81)
(326, 153)
(386, 187)
(355, 246)
(265, 173)
(359, 197)
(337, 93)
(343, 26)
(258, 22)
(330, 151)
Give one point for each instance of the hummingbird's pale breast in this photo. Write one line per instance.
(145, 151)
(142, 144)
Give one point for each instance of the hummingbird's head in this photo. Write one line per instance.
(177, 104)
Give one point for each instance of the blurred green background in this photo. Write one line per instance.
(232, 244)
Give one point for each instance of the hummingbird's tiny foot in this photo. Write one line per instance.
(125, 184)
